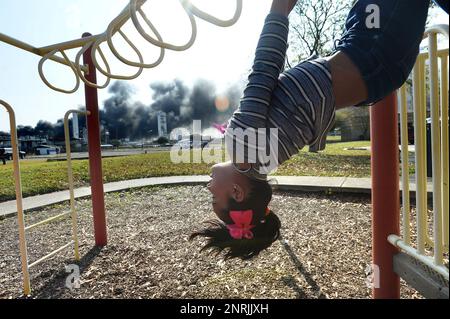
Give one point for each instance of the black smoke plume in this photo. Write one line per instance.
(127, 119)
(124, 118)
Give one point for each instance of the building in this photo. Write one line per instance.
(162, 124)
(29, 143)
(355, 124)
(5, 140)
(26, 143)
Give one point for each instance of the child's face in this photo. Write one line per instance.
(226, 184)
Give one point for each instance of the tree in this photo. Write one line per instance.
(115, 143)
(58, 130)
(354, 123)
(315, 24)
(23, 131)
(163, 140)
(44, 128)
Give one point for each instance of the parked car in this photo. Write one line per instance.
(188, 143)
(184, 144)
(6, 154)
(47, 150)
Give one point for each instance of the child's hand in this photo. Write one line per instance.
(292, 4)
(283, 6)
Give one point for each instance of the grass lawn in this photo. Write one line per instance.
(334, 161)
(40, 177)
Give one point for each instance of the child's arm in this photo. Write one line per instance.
(283, 7)
(269, 63)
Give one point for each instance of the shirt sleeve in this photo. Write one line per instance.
(269, 62)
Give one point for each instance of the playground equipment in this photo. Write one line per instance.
(73, 212)
(93, 42)
(395, 256)
(89, 45)
(427, 274)
(22, 228)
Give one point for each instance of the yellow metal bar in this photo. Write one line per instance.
(424, 159)
(405, 161)
(443, 53)
(436, 148)
(72, 67)
(420, 149)
(445, 160)
(19, 44)
(68, 45)
(440, 53)
(209, 18)
(438, 28)
(70, 179)
(421, 155)
(48, 52)
(27, 47)
(53, 253)
(19, 202)
(47, 221)
(439, 145)
(80, 42)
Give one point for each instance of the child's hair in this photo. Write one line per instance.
(266, 230)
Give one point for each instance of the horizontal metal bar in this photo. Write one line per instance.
(398, 242)
(72, 44)
(47, 221)
(27, 47)
(440, 53)
(51, 254)
(19, 44)
(438, 28)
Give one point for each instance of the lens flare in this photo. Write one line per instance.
(222, 103)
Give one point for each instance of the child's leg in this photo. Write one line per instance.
(382, 41)
(349, 87)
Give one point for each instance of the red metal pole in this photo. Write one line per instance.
(385, 195)
(95, 153)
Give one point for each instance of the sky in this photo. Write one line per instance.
(221, 55)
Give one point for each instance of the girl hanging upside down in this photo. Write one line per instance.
(281, 112)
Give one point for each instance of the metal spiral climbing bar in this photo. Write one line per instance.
(132, 12)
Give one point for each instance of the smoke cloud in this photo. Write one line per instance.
(127, 119)
(124, 118)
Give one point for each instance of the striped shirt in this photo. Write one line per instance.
(298, 103)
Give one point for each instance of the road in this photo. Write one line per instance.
(105, 153)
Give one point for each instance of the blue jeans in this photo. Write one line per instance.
(385, 53)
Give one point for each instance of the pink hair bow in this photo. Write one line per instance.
(242, 224)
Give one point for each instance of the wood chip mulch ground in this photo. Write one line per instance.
(324, 252)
